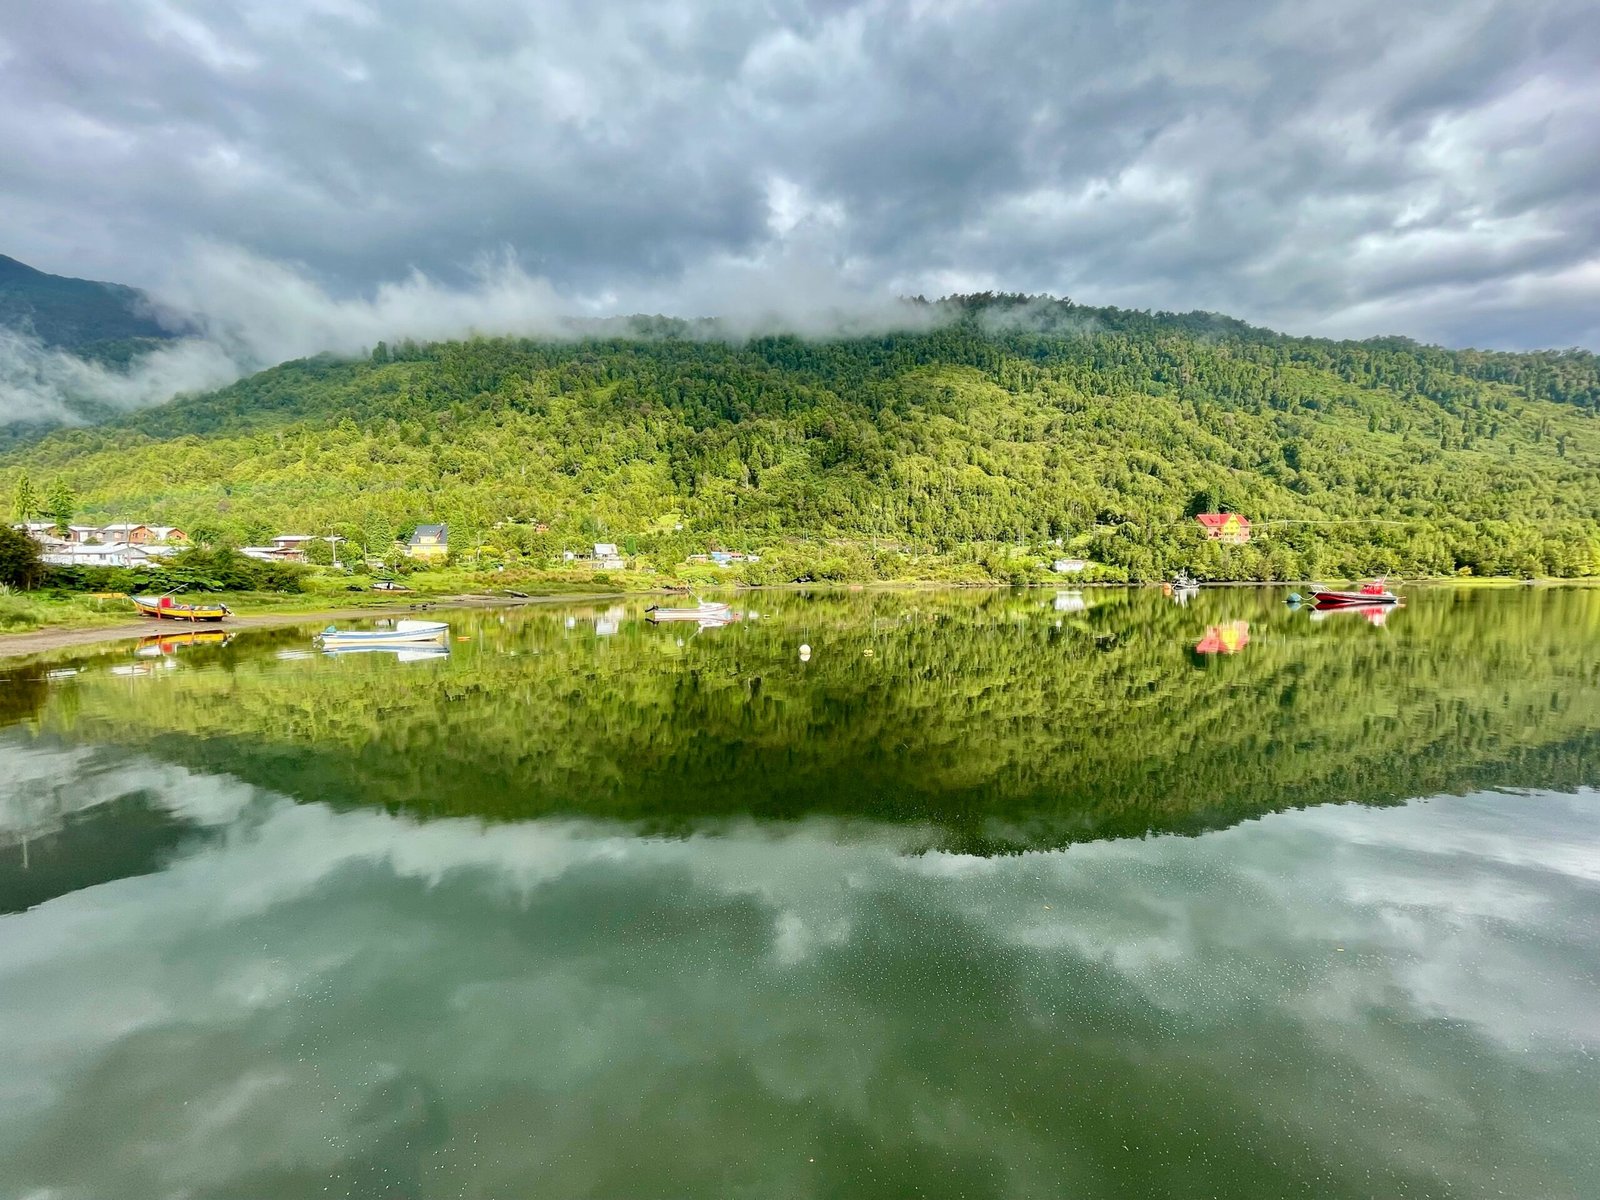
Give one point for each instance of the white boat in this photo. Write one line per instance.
(706, 610)
(403, 633)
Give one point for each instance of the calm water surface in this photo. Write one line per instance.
(997, 895)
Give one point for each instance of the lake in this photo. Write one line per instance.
(993, 894)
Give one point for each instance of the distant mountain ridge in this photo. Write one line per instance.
(84, 316)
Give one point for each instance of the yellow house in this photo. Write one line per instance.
(1225, 527)
(429, 541)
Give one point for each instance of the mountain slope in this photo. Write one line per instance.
(72, 314)
(1001, 421)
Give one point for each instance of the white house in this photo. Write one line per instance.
(110, 554)
(1069, 566)
(607, 556)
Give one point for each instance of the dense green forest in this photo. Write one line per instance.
(993, 421)
(987, 715)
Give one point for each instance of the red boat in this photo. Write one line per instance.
(1369, 593)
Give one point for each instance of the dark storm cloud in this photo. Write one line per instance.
(1349, 168)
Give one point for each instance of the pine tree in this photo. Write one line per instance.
(61, 504)
(24, 500)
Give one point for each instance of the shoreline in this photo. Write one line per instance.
(50, 639)
(54, 638)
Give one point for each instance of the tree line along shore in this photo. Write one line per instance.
(1003, 437)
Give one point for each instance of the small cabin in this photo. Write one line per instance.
(429, 541)
(289, 547)
(1225, 527)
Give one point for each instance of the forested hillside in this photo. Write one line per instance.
(1000, 420)
(105, 320)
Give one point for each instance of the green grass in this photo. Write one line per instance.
(26, 612)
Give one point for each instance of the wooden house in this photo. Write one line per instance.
(1225, 527)
(131, 535)
(429, 542)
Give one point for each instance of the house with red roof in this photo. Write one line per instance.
(1225, 527)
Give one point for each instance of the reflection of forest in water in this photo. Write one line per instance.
(1004, 719)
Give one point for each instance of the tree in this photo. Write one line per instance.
(61, 503)
(377, 535)
(24, 500)
(206, 535)
(19, 559)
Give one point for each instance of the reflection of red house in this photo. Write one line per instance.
(1228, 638)
(1225, 527)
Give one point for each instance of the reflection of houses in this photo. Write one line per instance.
(1227, 638)
(1225, 527)
(429, 542)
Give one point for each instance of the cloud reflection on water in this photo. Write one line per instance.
(1336, 995)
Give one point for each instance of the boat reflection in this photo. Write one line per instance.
(1376, 614)
(401, 653)
(158, 644)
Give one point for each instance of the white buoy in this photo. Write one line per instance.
(805, 652)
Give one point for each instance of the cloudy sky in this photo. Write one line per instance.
(1348, 167)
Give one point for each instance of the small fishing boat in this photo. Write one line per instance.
(706, 611)
(165, 608)
(1185, 582)
(403, 633)
(1368, 593)
(389, 585)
